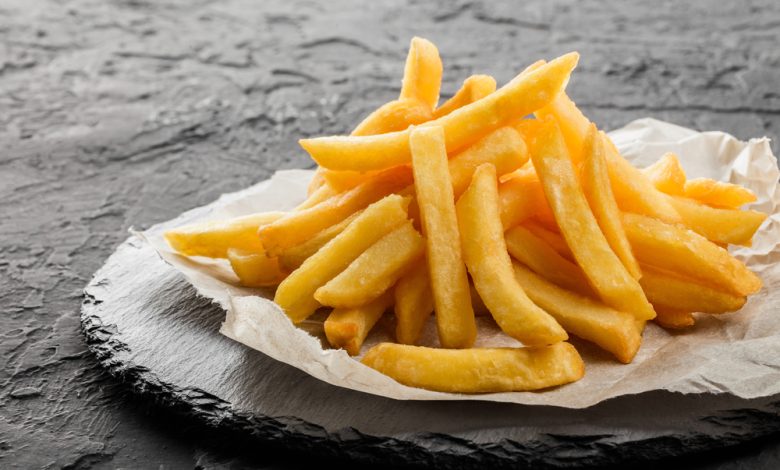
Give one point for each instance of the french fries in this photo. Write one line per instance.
(475, 206)
(477, 370)
(491, 269)
(449, 283)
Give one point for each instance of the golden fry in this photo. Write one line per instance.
(394, 116)
(324, 191)
(687, 253)
(449, 282)
(612, 330)
(413, 303)
(487, 370)
(213, 239)
(255, 269)
(555, 240)
(523, 95)
(486, 256)
(474, 89)
(521, 199)
(722, 226)
(607, 275)
(717, 193)
(295, 295)
(674, 319)
(667, 175)
(573, 124)
(347, 328)
(294, 256)
(671, 291)
(374, 271)
(422, 73)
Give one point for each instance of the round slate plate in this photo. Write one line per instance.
(148, 326)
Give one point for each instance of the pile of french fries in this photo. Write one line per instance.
(506, 202)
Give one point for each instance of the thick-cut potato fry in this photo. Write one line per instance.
(449, 282)
(255, 269)
(607, 275)
(523, 95)
(485, 370)
(667, 175)
(722, 226)
(685, 252)
(674, 319)
(347, 328)
(553, 239)
(598, 192)
(521, 199)
(581, 316)
(473, 89)
(413, 303)
(374, 271)
(485, 253)
(671, 291)
(296, 293)
(297, 227)
(323, 192)
(717, 193)
(573, 124)
(422, 73)
(294, 256)
(213, 239)
(538, 255)
(394, 116)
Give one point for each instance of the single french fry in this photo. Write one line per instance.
(523, 95)
(667, 175)
(671, 291)
(255, 269)
(449, 282)
(413, 303)
(521, 199)
(722, 226)
(687, 253)
(374, 271)
(485, 253)
(581, 316)
(607, 275)
(717, 193)
(542, 258)
(291, 258)
(347, 328)
(394, 116)
(674, 319)
(299, 226)
(473, 89)
(573, 124)
(324, 191)
(213, 239)
(555, 240)
(295, 295)
(481, 370)
(422, 73)
(598, 192)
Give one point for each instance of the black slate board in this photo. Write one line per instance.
(148, 326)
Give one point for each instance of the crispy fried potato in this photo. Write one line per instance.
(323, 192)
(667, 175)
(671, 291)
(610, 329)
(553, 239)
(598, 192)
(291, 258)
(297, 227)
(717, 193)
(722, 226)
(295, 295)
(347, 328)
(394, 116)
(255, 269)
(316, 182)
(523, 95)
(422, 73)
(687, 253)
(473, 89)
(374, 271)
(413, 303)
(213, 239)
(521, 199)
(487, 370)
(538, 255)
(674, 319)
(485, 253)
(573, 124)
(449, 282)
(607, 275)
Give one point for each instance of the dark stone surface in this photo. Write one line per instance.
(119, 113)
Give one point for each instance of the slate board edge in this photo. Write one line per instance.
(419, 450)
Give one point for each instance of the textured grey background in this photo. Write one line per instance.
(124, 113)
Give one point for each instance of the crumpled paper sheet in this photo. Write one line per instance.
(737, 353)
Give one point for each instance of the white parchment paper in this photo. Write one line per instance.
(737, 353)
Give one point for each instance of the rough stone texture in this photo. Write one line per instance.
(125, 113)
